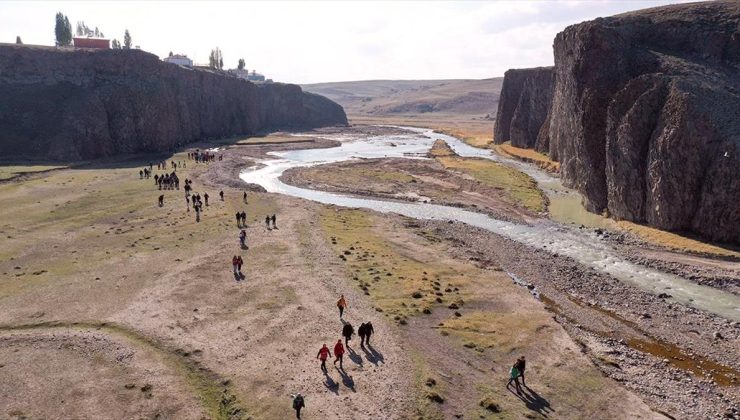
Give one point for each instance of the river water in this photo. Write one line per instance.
(583, 246)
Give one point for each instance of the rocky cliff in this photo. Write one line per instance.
(79, 104)
(645, 116)
(525, 99)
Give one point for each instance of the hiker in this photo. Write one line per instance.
(521, 364)
(238, 217)
(347, 332)
(245, 197)
(242, 238)
(298, 403)
(156, 179)
(161, 200)
(239, 262)
(362, 333)
(267, 222)
(341, 304)
(235, 263)
(205, 196)
(221, 194)
(243, 216)
(339, 353)
(324, 353)
(514, 376)
(369, 330)
(274, 226)
(141, 174)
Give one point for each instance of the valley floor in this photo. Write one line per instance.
(114, 305)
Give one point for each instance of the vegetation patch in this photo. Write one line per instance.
(518, 188)
(400, 280)
(528, 155)
(426, 385)
(505, 331)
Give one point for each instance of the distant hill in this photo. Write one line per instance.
(412, 97)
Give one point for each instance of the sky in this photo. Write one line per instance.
(310, 42)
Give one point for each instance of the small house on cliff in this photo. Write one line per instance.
(179, 59)
(246, 75)
(89, 42)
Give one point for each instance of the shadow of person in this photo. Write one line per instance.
(373, 355)
(242, 276)
(535, 401)
(347, 380)
(353, 356)
(330, 384)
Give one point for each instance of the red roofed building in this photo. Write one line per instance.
(91, 43)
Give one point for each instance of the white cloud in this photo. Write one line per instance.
(329, 41)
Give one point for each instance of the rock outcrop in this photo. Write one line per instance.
(645, 116)
(79, 104)
(525, 100)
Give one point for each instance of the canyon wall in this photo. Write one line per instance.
(645, 116)
(64, 104)
(523, 104)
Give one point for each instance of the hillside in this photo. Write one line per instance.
(408, 97)
(71, 104)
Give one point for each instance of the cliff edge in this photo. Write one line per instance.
(645, 116)
(63, 104)
(525, 100)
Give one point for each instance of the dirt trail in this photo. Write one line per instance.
(268, 328)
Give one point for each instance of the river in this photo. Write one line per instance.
(582, 245)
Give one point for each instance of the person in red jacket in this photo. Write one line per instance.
(339, 353)
(324, 354)
(235, 263)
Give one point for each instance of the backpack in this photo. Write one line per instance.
(298, 402)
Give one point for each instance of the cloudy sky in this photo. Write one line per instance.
(307, 42)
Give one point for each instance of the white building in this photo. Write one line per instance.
(179, 59)
(245, 74)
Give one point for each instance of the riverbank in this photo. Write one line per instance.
(93, 251)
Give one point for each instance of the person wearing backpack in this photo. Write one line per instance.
(298, 404)
(347, 332)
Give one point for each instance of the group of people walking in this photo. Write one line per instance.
(203, 156)
(364, 331)
(167, 181)
(269, 219)
(516, 372)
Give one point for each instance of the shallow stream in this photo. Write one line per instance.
(582, 245)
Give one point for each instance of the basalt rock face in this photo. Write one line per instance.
(525, 100)
(81, 104)
(645, 116)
